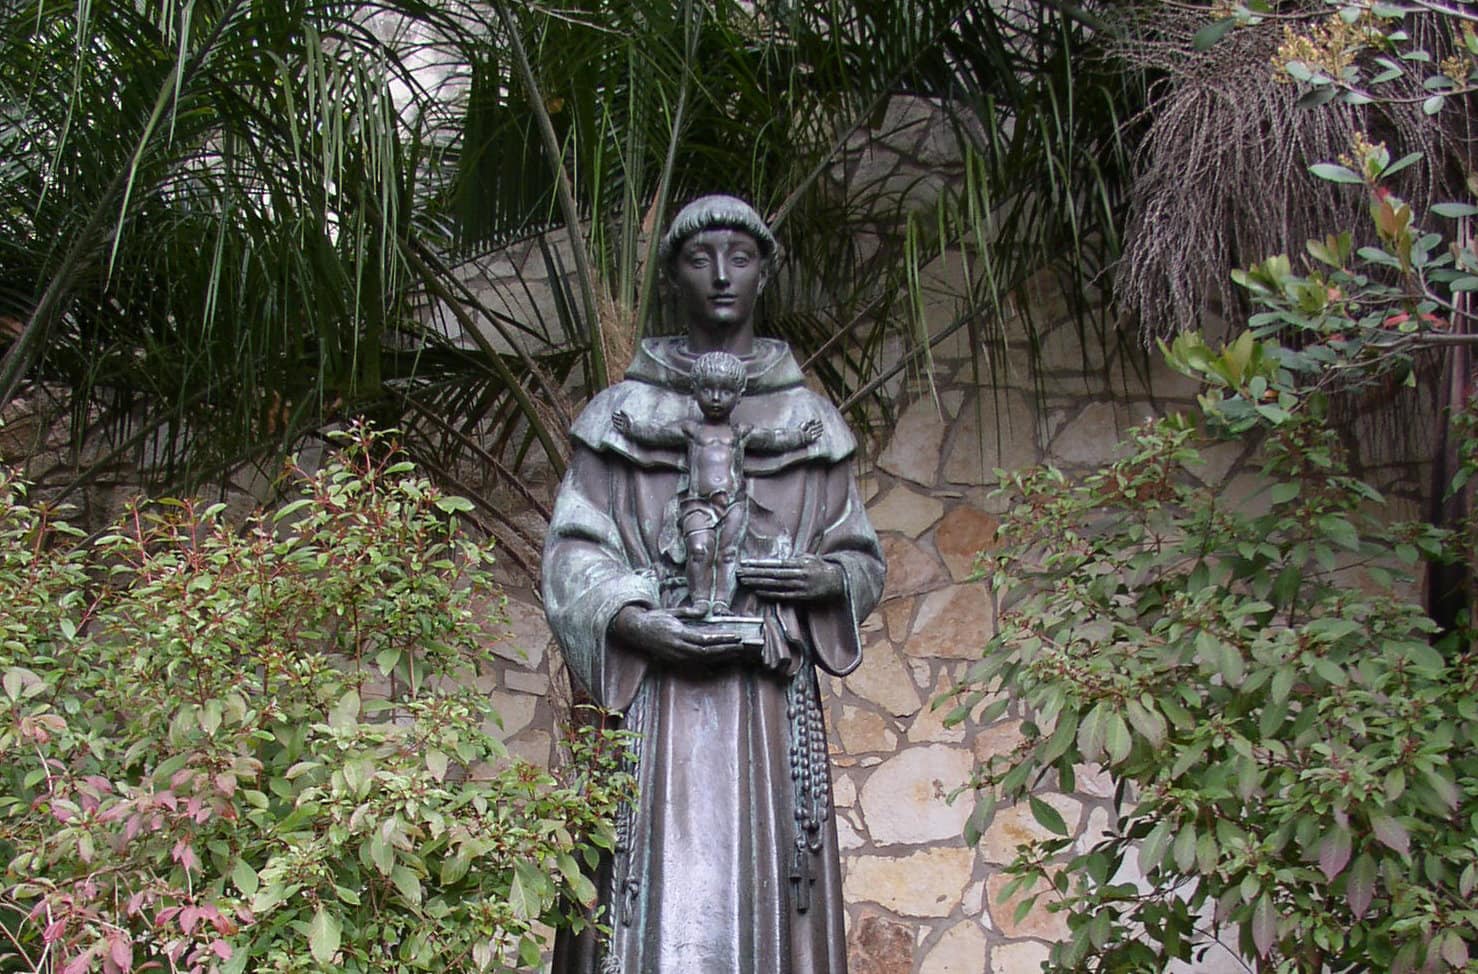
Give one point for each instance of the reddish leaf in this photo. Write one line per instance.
(1334, 852)
(121, 951)
(1391, 833)
(189, 916)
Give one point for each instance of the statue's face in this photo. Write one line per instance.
(718, 275)
(717, 401)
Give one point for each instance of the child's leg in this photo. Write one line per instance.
(700, 544)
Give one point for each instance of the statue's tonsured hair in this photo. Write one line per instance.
(707, 212)
(719, 369)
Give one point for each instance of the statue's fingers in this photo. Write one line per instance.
(712, 640)
(777, 572)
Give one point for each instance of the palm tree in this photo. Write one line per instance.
(232, 222)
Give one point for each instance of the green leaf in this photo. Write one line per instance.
(1116, 738)
(1062, 737)
(454, 867)
(1335, 173)
(1209, 35)
(1455, 210)
(1447, 792)
(1434, 104)
(323, 936)
(345, 714)
(408, 883)
(1184, 850)
(1330, 672)
(453, 504)
(1048, 817)
(1152, 849)
(245, 878)
(1360, 886)
(1284, 492)
(1147, 722)
(1264, 924)
(381, 854)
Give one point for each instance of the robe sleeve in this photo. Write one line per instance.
(588, 578)
(848, 541)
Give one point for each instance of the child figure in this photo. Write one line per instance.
(713, 503)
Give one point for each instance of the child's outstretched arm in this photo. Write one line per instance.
(648, 434)
(780, 440)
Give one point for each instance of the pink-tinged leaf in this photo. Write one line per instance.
(78, 964)
(1360, 888)
(180, 777)
(189, 916)
(121, 952)
(54, 930)
(1264, 925)
(184, 854)
(135, 822)
(168, 799)
(1334, 852)
(1391, 833)
(1454, 950)
(135, 904)
(165, 915)
(226, 783)
(221, 949)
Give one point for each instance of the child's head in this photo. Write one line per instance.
(718, 382)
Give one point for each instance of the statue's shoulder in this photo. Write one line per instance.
(641, 401)
(791, 408)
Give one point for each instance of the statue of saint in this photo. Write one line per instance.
(727, 861)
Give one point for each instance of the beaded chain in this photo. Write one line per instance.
(810, 779)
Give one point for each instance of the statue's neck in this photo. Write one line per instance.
(737, 340)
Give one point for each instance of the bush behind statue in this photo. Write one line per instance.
(261, 748)
(1291, 738)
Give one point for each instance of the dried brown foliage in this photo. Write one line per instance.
(1221, 177)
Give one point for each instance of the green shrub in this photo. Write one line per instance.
(262, 748)
(1290, 748)
(1291, 737)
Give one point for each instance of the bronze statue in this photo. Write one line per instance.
(727, 862)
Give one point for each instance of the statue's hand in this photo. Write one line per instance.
(811, 429)
(621, 421)
(804, 578)
(663, 636)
